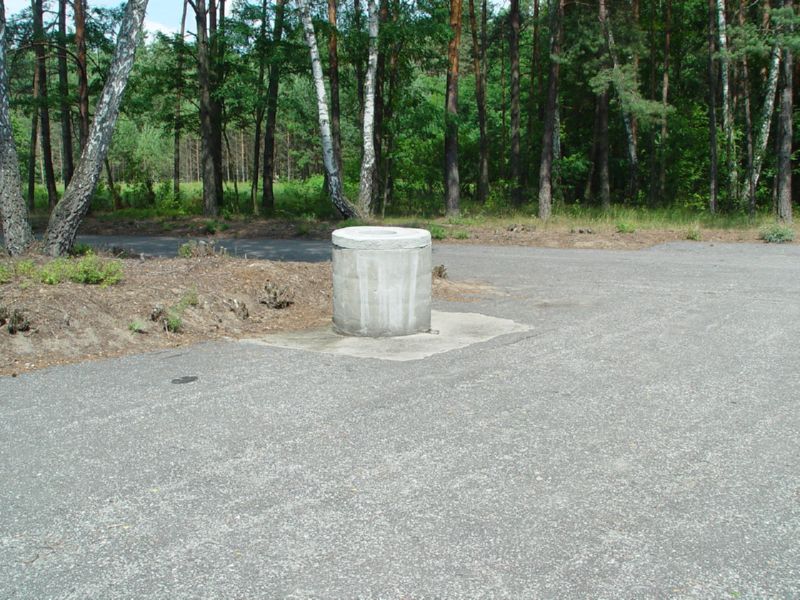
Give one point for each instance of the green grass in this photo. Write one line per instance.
(137, 327)
(89, 269)
(625, 227)
(6, 274)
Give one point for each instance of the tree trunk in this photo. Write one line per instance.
(589, 187)
(548, 133)
(727, 112)
(748, 117)
(335, 190)
(210, 114)
(478, 58)
(452, 187)
(662, 149)
(712, 113)
(178, 125)
(513, 50)
(268, 175)
(34, 143)
(262, 67)
(67, 163)
(365, 189)
(111, 187)
(333, 77)
(762, 136)
(358, 63)
(44, 109)
(67, 215)
(83, 73)
(388, 157)
(784, 175)
(535, 85)
(16, 227)
(602, 152)
(380, 104)
(633, 160)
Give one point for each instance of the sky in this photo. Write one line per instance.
(162, 15)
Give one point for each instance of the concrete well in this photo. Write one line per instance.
(381, 281)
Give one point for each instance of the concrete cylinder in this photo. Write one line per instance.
(381, 281)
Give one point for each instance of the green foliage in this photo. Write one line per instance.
(693, 233)
(25, 268)
(173, 323)
(777, 234)
(80, 249)
(6, 274)
(437, 232)
(461, 235)
(623, 227)
(90, 270)
(137, 327)
(214, 226)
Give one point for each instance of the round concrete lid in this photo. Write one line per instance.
(381, 238)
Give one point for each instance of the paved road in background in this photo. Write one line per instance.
(641, 440)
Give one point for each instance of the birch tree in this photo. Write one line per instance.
(73, 206)
(16, 228)
(727, 111)
(365, 189)
(451, 176)
(784, 175)
(627, 119)
(335, 190)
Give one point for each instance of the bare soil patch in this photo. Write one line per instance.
(214, 297)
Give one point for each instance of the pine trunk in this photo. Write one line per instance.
(513, 47)
(34, 143)
(83, 73)
(480, 97)
(44, 109)
(452, 186)
(365, 188)
(784, 175)
(262, 67)
(548, 134)
(602, 152)
(67, 215)
(335, 190)
(210, 114)
(16, 227)
(268, 174)
(67, 163)
(535, 84)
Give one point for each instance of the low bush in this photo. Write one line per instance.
(777, 234)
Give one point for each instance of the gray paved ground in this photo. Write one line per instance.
(641, 440)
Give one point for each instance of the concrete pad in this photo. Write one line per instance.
(449, 331)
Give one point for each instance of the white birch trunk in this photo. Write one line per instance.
(365, 189)
(727, 114)
(767, 110)
(16, 227)
(68, 213)
(335, 190)
(626, 116)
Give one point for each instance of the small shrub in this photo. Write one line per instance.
(25, 268)
(92, 270)
(212, 227)
(461, 235)
(624, 227)
(80, 249)
(276, 296)
(55, 272)
(136, 327)
(190, 298)
(694, 234)
(302, 228)
(439, 272)
(173, 323)
(17, 322)
(437, 232)
(201, 249)
(5, 274)
(777, 234)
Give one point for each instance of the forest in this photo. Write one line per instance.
(374, 108)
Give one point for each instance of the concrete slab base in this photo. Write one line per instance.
(449, 331)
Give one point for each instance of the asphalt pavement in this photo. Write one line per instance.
(640, 439)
